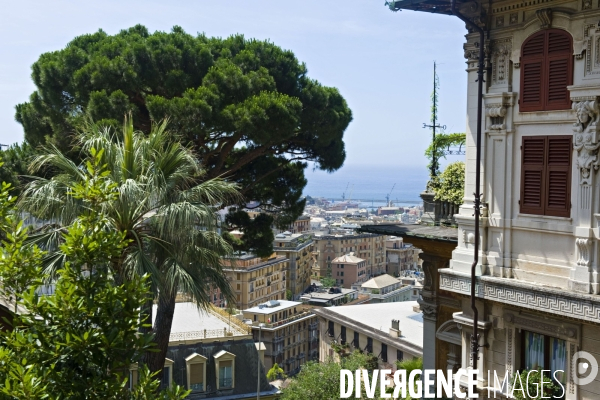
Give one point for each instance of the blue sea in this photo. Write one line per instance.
(369, 184)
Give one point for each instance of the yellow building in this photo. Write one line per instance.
(298, 248)
(289, 331)
(255, 280)
(369, 247)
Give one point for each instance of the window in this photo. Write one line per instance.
(330, 329)
(399, 355)
(133, 376)
(546, 71)
(384, 352)
(356, 340)
(167, 373)
(369, 347)
(546, 175)
(225, 367)
(544, 352)
(343, 335)
(196, 372)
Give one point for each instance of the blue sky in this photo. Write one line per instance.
(381, 61)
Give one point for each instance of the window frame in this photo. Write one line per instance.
(220, 357)
(195, 359)
(545, 58)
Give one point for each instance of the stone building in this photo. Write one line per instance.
(387, 289)
(400, 256)
(254, 280)
(289, 332)
(298, 249)
(369, 247)
(537, 285)
(391, 331)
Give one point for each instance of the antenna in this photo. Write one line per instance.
(344, 194)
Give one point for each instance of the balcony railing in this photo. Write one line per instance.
(197, 386)
(284, 321)
(225, 383)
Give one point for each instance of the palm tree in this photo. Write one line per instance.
(171, 221)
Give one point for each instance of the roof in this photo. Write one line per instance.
(283, 304)
(348, 258)
(380, 281)
(314, 296)
(440, 233)
(188, 318)
(432, 6)
(378, 318)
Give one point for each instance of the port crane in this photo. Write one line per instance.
(387, 198)
(344, 194)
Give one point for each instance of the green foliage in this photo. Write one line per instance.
(322, 380)
(276, 372)
(442, 142)
(450, 185)
(258, 236)
(524, 386)
(80, 341)
(246, 106)
(16, 160)
(409, 365)
(288, 294)
(327, 281)
(170, 221)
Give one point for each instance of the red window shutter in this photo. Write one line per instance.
(559, 64)
(532, 174)
(558, 176)
(546, 71)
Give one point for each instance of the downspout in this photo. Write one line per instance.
(477, 203)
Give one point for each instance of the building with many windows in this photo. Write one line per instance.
(254, 280)
(213, 355)
(369, 247)
(289, 332)
(348, 270)
(387, 289)
(298, 249)
(400, 256)
(537, 286)
(390, 331)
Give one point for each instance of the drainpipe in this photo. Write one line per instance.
(477, 203)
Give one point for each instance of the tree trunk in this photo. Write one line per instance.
(162, 330)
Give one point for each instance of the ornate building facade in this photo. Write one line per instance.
(537, 286)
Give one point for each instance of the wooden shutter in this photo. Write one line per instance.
(546, 71)
(532, 68)
(559, 64)
(558, 176)
(533, 151)
(196, 373)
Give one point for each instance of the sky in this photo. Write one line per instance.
(381, 61)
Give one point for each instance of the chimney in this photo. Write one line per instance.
(395, 331)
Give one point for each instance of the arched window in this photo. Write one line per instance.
(546, 71)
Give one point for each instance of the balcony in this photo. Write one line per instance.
(197, 386)
(225, 383)
(285, 321)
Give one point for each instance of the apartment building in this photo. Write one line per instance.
(391, 331)
(348, 270)
(209, 354)
(289, 331)
(400, 256)
(537, 287)
(369, 247)
(254, 280)
(298, 249)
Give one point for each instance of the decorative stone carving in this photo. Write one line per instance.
(541, 326)
(496, 112)
(591, 50)
(586, 4)
(500, 50)
(429, 310)
(509, 291)
(545, 17)
(500, 21)
(509, 351)
(513, 19)
(584, 246)
(572, 371)
(585, 140)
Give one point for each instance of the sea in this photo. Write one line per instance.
(369, 185)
